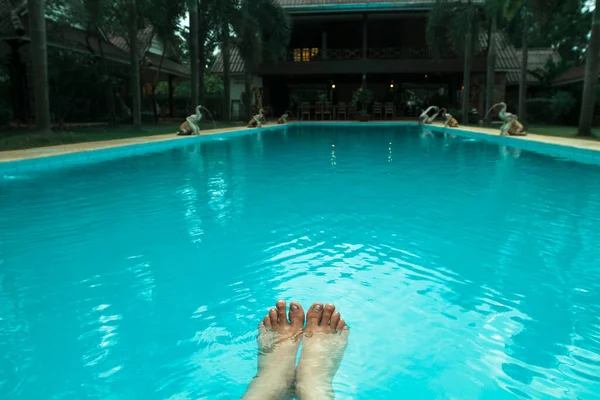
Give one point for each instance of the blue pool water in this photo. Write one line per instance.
(466, 270)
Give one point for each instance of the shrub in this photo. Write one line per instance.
(539, 110)
(5, 116)
(562, 105)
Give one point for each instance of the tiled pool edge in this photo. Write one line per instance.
(551, 149)
(119, 150)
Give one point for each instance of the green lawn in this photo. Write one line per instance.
(562, 131)
(16, 139)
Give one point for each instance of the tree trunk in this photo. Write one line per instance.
(39, 63)
(467, 75)
(194, 51)
(202, 35)
(155, 82)
(108, 88)
(588, 99)
(522, 113)
(248, 97)
(226, 71)
(490, 83)
(136, 90)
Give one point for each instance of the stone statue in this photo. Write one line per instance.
(511, 125)
(190, 126)
(449, 120)
(283, 119)
(258, 120)
(424, 118)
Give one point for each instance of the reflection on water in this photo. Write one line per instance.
(464, 269)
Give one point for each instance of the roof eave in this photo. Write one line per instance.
(360, 7)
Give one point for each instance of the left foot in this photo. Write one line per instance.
(278, 340)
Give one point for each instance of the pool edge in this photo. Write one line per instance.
(89, 152)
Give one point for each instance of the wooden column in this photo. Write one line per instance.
(170, 96)
(364, 36)
(324, 45)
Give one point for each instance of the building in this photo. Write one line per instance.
(14, 40)
(338, 45)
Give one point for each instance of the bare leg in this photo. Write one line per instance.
(325, 340)
(278, 340)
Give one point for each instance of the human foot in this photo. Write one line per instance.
(278, 340)
(324, 343)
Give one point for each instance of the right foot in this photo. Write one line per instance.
(278, 340)
(324, 343)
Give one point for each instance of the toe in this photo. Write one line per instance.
(281, 317)
(335, 319)
(273, 316)
(267, 321)
(341, 325)
(329, 309)
(296, 315)
(261, 328)
(314, 315)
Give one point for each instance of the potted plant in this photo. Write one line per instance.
(362, 99)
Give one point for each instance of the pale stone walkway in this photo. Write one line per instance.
(15, 155)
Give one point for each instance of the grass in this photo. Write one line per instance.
(18, 139)
(561, 131)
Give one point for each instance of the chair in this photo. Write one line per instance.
(390, 109)
(327, 109)
(318, 110)
(352, 111)
(304, 110)
(342, 110)
(377, 110)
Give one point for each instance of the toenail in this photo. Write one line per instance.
(318, 307)
(294, 307)
(274, 310)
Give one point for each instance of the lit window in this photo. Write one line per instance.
(314, 51)
(305, 54)
(297, 55)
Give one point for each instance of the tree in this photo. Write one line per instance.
(194, 50)
(165, 22)
(262, 33)
(134, 59)
(455, 25)
(588, 97)
(39, 64)
(492, 8)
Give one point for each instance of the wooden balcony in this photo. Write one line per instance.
(378, 60)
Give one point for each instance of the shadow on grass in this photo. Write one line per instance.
(18, 139)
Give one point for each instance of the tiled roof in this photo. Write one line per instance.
(144, 37)
(236, 63)
(506, 54)
(536, 58)
(293, 3)
(573, 75)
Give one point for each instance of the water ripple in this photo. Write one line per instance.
(465, 270)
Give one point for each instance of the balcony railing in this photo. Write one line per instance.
(383, 53)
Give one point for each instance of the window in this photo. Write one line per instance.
(305, 54)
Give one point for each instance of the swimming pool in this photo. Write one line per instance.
(465, 269)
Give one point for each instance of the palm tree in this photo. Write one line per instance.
(262, 29)
(588, 98)
(134, 59)
(39, 64)
(455, 24)
(165, 22)
(492, 11)
(194, 50)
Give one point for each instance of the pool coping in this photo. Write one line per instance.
(81, 153)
